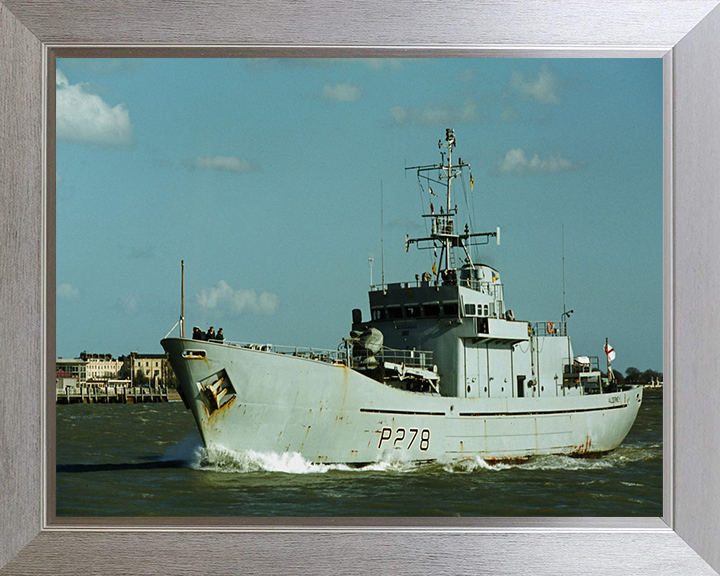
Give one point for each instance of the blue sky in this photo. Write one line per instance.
(265, 176)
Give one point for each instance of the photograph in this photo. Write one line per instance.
(358, 287)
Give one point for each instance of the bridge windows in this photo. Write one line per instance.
(412, 311)
(416, 311)
(379, 314)
(478, 310)
(450, 309)
(431, 310)
(394, 312)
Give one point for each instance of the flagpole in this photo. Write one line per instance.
(607, 359)
(611, 376)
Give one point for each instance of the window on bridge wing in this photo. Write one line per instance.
(412, 311)
(378, 314)
(394, 312)
(431, 310)
(450, 309)
(469, 309)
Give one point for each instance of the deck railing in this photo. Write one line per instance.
(549, 328)
(413, 358)
(321, 354)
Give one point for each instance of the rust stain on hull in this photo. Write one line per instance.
(509, 460)
(584, 448)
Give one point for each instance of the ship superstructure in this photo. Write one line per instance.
(440, 369)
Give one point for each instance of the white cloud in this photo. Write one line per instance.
(82, 116)
(224, 298)
(128, 304)
(516, 162)
(223, 163)
(435, 115)
(341, 92)
(67, 291)
(543, 88)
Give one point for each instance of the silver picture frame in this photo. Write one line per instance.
(686, 540)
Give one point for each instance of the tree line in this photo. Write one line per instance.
(635, 376)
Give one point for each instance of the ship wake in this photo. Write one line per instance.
(218, 458)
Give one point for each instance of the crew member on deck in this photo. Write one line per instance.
(219, 336)
(210, 334)
(197, 334)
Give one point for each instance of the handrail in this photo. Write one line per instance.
(412, 358)
(415, 358)
(323, 354)
(549, 328)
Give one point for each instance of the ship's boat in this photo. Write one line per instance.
(439, 370)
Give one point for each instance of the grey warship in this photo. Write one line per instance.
(440, 369)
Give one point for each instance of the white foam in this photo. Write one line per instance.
(221, 459)
(218, 458)
(559, 462)
(471, 464)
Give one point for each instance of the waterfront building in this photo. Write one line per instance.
(101, 366)
(136, 368)
(152, 369)
(75, 368)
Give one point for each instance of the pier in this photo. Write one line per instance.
(83, 394)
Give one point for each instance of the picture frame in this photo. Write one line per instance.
(686, 540)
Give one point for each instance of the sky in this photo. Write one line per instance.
(268, 177)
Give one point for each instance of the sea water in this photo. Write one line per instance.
(148, 460)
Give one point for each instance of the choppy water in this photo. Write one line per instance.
(147, 460)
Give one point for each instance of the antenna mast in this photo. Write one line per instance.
(182, 298)
(443, 233)
(370, 261)
(563, 269)
(382, 237)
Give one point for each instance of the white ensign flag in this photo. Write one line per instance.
(610, 351)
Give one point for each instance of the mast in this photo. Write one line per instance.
(450, 139)
(370, 261)
(443, 233)
(382, 237)
(182, 298)
(610, 356)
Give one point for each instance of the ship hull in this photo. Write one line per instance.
(274, 403)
